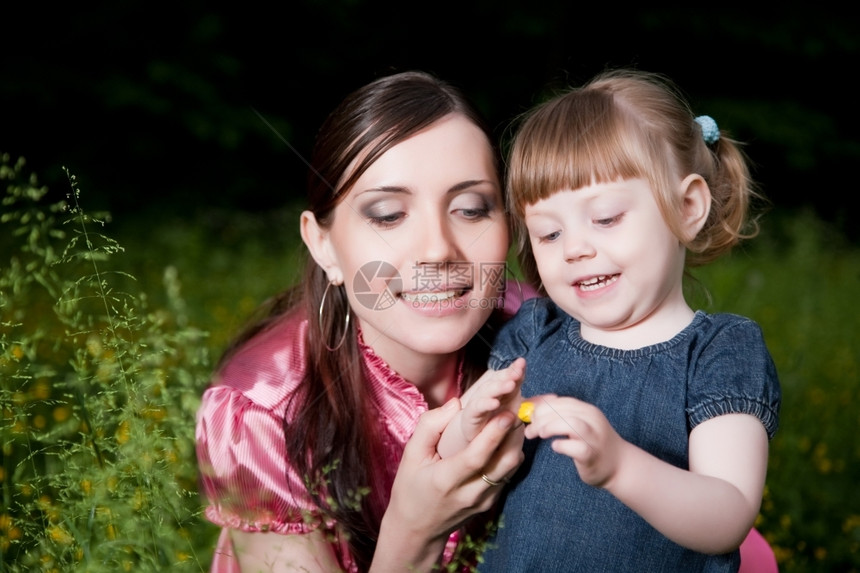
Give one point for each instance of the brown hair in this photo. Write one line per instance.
(333, 438)
(629, 124)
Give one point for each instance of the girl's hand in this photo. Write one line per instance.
(432, 497)
(494, 391)
(709, 507)
(581, 432)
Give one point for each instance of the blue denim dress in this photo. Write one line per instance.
(653, 397)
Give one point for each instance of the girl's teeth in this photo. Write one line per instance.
(597, 282)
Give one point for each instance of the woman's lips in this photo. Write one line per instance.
(433, 297)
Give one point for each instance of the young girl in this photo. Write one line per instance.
(659, 416)
(302, 437)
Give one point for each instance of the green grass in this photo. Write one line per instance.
(109, 332)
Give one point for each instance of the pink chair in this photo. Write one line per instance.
(756, 555)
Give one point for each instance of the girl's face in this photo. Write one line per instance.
(606, 256)
(420, 243)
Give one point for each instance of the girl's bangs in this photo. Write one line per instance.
(558, 149)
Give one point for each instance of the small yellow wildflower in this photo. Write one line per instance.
(60, 535)
(525, 412)
(62, 413)
(122, 432)
(41, 390)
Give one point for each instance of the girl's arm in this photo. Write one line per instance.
(712, 507)
(709, 508)
(430, 498)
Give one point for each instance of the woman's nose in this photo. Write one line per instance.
(437, 242)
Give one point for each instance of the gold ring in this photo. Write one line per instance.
(489, 481)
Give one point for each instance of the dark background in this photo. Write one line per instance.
(151, 105)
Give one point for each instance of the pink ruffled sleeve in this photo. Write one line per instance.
(240, 449)
(240, 442)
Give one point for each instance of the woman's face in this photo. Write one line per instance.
(420, 243)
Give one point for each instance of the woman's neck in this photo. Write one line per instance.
(439, 382)
(435, 375)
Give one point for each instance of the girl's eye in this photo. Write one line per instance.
(549, 237)
(608, 221)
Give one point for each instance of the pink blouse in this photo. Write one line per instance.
(240, 439)
(240, 436)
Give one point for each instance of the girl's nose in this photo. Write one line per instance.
(577, 246)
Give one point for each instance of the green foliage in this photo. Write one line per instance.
(799, 281)
(98, 399)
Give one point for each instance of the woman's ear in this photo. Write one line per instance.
(318, 241)
(695, 205)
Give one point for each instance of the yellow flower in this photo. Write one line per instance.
(60, 535)
(122, 432)
(41, 390)
(62, 413)
(526, 411)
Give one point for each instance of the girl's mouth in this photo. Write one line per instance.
(597, 282)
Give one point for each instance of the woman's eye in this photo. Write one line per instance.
(475, 213)
(472, 207)
(386, 220)
(384, 213)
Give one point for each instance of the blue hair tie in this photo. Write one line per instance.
(710, 131)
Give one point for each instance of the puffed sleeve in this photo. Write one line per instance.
(537, 319)
(733, 372)
(243, 470)
(241, 453)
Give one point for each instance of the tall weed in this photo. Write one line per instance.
(98, 395)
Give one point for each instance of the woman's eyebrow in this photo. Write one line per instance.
(469, 184)
(385, 189)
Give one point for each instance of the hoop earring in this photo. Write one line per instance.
(345, 324)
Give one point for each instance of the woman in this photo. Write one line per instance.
(302, 437)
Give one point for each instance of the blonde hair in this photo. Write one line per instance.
(627, 124)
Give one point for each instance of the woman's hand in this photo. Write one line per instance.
(432, 497)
